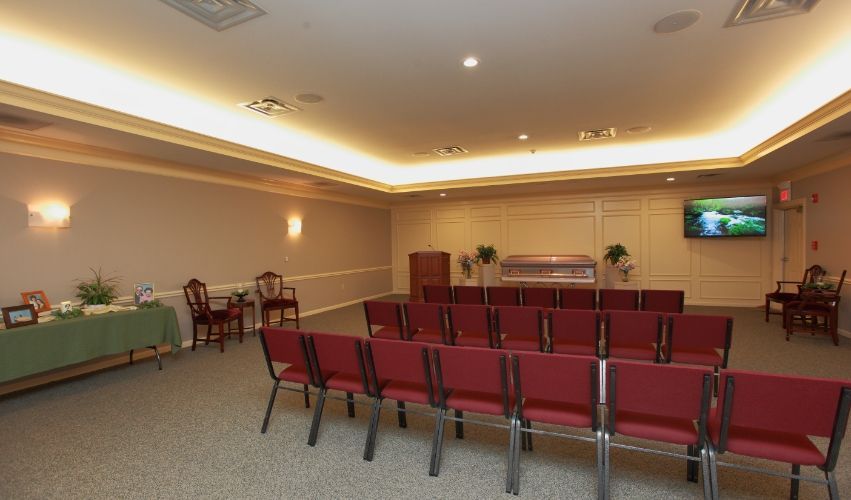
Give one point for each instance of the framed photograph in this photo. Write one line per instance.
(37, 299)
(65, 307)
(143, 292)
(16, 316)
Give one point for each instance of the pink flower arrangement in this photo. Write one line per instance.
(466, 259)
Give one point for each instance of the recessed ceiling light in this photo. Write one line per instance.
(442, 194)
(670, 179)
(522, 137)
(470, 62)
(677, 21)
(641, 129)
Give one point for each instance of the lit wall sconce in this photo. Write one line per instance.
(294, 227)
(49, 215)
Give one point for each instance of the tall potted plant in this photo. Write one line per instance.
(614, 253)
(485, 257)
(486, 253)
(99, 290)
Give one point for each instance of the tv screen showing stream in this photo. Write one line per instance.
(725, 217)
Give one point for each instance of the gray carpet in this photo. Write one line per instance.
(193, 430)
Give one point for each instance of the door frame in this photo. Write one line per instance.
(779, 239)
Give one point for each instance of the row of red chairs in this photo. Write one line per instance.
(667, 301)
(757, 415)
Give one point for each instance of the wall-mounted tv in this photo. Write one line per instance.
(720, 217)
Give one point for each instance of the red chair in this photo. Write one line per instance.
(520, 328)
(469, 295)
(634, 335)
(503, 296)
(575, 331)
(659, 403)
(472, 380)
(337, 365)
(612, 299)
(274, 296)
(695, 339)
(425, 322)
(772, 416)
(471, 325)
(387, 316)
(204, 315)
(546, 298)
(557, 390)
(577, 298)
(664, 301)
(400, 371)
(438, 294)
(285, 347)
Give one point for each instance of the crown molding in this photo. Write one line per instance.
(835, 162)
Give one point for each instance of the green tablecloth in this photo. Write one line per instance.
(36, 348)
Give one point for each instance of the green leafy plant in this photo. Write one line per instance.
(614, 253)
(100, 290)
(486, 254)
(151, 304)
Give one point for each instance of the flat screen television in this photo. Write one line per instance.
(725, 217)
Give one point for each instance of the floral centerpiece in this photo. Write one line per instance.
(466, 259)
(625, 265)
(240, 294)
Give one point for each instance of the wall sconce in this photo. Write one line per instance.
(50, 215)
(294, 227)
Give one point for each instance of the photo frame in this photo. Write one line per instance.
(16, 316)
(143, 292)
(38, 299)
(65, 307)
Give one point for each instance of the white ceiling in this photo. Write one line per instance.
(393, 83)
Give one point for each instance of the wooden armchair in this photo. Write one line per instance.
(274, 296)
(811, 275)
(815, 311)
(204, 315)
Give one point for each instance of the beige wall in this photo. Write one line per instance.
(728, 271)
(165, 230)
(828, 222)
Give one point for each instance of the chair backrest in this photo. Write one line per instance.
(577, 298)
(424, 316)
(472, 369)
(690, 331)
(437, 294)
(270, 285)
(520, 321)
(503, 296)
(333, 354)
(784, 403)
(556, 377)
(469, 295)
(665, 301)
(401, 361)
(633, 327)
(540, 297)
(385, 314)
(841, 281)
(471, 319)
(576, 326)
(197, 298)
(617, 299)
(682, 392)
(282, 345)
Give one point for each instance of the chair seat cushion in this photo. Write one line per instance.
(781, 296)
(406, 391)
(567, 347)
(656, 428)
(428, 336)
(472, 340)
(278, 303)
(695, 356)
(478, 402)
(552, 412)
(780, 446)
(387, 332)
(347, 382)
(633, 351)
(221, 315)
(293, 373)
(518, 343)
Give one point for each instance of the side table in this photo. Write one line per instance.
(242, 306)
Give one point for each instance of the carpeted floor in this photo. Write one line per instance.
(193, 430)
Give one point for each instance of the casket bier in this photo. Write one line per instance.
(549, 268)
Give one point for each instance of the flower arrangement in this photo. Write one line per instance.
(151, 304)
(466, 259)
(72, 313)
(240, 294)
(625, 265)
(485, 254)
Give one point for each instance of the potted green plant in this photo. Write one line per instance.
(486, 254)
(99, 290)
(614, 253)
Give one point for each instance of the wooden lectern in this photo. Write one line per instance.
(427, 268)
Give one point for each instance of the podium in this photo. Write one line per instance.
(427, 268)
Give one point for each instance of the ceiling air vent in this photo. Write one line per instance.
(450, 151)
(601, 133)
(270, 106)
(218, 14)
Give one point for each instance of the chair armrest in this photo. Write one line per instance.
(781, 283)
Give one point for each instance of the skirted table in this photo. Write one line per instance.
(37, 348)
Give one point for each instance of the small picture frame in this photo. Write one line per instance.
(37, 299)
(16, 316)
(65, 306)
(143, 292)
